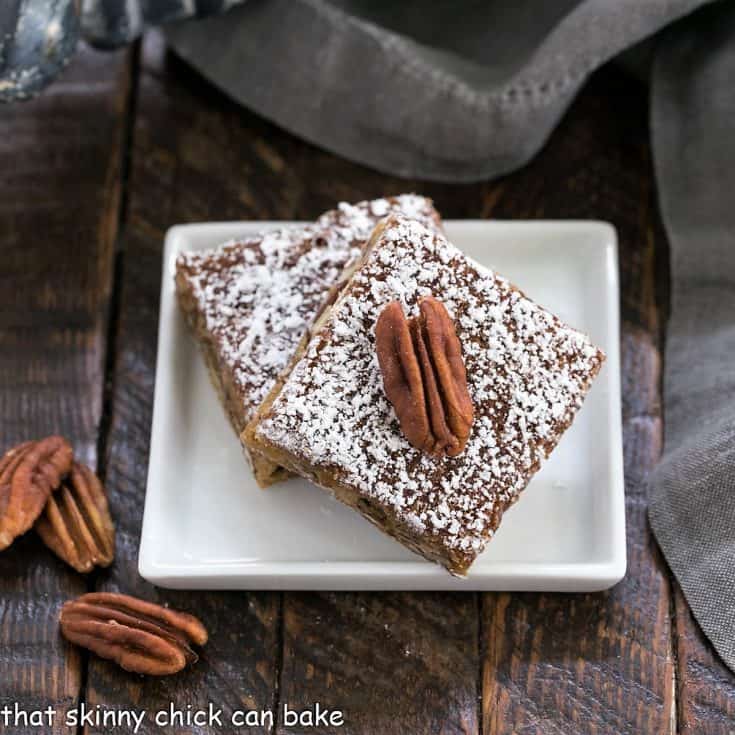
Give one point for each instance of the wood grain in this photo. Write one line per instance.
(615, 662)
(59, 197)
(597, 663)
(706, 685)
(391, 662)
(190, 161)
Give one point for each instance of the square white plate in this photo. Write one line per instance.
(208, 526)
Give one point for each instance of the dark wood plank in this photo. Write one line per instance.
(59, 197)
(391, 662)
(706, 686)
(597, 663)
(194, 157)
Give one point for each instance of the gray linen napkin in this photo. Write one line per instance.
(692, 501)
(449, 90)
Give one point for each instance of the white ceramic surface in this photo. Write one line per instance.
(208, 526)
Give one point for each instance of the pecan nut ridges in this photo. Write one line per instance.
(29, 473)
(402, 380)
(139, 636)
(424, 376)
(76, 523)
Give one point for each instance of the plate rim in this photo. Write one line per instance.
(412, 575)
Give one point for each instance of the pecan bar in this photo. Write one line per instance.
(250, 302)
(331, 421)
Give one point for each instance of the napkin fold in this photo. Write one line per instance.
(692, 499)
(448, 90)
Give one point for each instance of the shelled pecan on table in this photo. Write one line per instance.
(41, 477)
(76, 523)
(140, 636)
(29, 473)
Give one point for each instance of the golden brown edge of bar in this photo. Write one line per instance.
(266, 473)
(271, 469)
(380, 516)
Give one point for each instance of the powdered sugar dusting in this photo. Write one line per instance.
(258, 296)
(528, 374)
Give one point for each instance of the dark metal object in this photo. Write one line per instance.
(111, 23)
(38, 37)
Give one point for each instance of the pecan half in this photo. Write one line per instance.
(424, 376)
(29, 473)
(139, 636)
(76, 523)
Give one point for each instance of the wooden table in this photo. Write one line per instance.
(92, 175)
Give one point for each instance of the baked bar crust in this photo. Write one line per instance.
(329, 419)
(249, 302)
